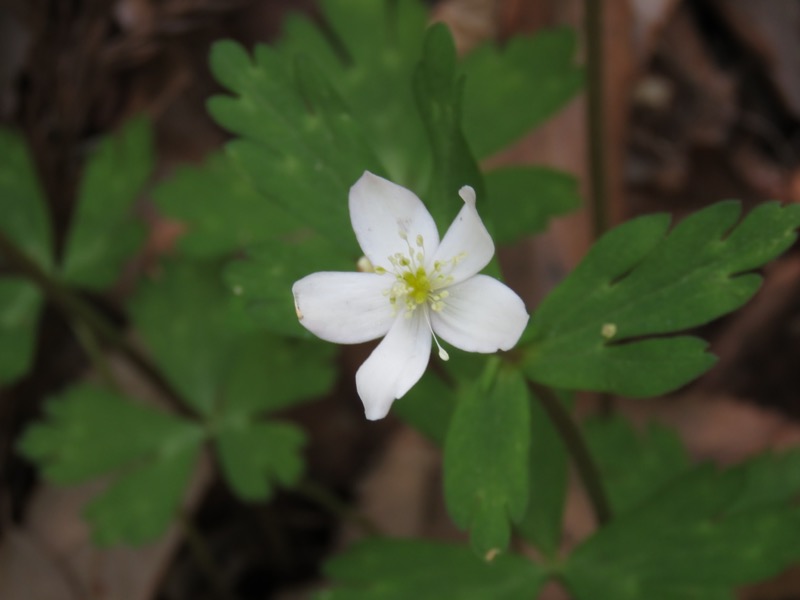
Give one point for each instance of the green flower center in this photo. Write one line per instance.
(418, 286)
(414, 284)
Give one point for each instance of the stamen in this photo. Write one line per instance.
(442, 352)
(364, 265)
(297, 310)
(417, 285)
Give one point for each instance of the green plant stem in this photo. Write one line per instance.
(576, 446)
(75, 307)
(595, 120)
(323, 497)
(88, 341)
(205, 559)
(593, 27)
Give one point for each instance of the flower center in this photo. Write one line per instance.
(415, 284)
(418, 286)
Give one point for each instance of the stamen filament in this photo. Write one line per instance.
(417, 285)
(442, 352)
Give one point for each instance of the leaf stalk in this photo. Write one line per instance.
(575, 443)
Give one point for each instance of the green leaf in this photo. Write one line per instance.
(141, 504)
(522, 200)
(268, 374)
(212, 357)
(770, 479)
(89, 432)
(691, 541)
(511, 91)
(184, 317)
(634, 465)
(262, 282)
(384, 569)
(636, 370)
(370, 50)
(299, 145)
(80, 437)
(221, 209)
(254, 456)
(25, 219)
(635, 282)
(20, 303)
(231, 375)
(428, 407)
(438, 91)
(104, 233)
(485, 457)
(542, 523)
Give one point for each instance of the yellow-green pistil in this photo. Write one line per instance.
(415, 285)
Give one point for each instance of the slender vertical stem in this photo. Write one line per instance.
(201, 553)
(324, 498)
(593, 26)
(88, 340)
(576, 445)
(595, 119)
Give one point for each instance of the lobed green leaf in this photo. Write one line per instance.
(89, 432)
(231, 376)
(142, 503)
(522, 200)
(428, 407)
(636, 281)
(262, 281)
(699, 558)
(370, 50)
(255, 456)
(103, 233)
(299, 144)
(25, 219)
(486, 457)
(208, 349)
(184, 318)
(685, 532)
(222, 210)
(81, 436)
(510, 91)
(438, 91)
(634, 465)
(269, 374)
(20, 303)
(384, 569)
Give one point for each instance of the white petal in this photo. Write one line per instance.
(481, 314)
(395, 365)
(380, 210)
(345, 308)
(467, 237)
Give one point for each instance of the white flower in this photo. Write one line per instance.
(418, 288)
